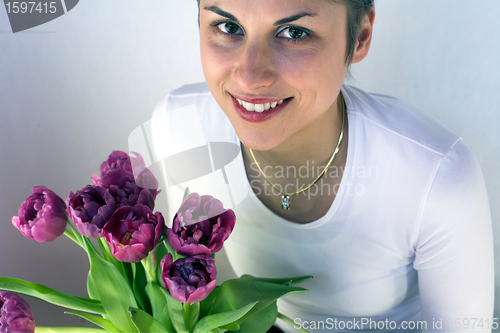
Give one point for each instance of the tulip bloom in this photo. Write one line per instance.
(201, 225)
(42, 216)
(116, 160)
(133, 231)
(189, 279)
(120, 164)
(142, 175)
(122, 189)
(15, 314)
(89, 210)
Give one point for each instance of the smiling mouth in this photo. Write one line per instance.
(260, 107)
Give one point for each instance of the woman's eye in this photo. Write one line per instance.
(230, 28)
(293, 33)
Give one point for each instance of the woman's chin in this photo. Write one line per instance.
(257, 143)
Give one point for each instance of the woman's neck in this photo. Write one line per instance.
(312, 145)
(296, 164)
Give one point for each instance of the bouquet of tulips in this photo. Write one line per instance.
(144, 276)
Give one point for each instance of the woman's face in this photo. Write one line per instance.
(274, 66)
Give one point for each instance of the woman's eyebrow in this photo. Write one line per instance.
(294, 18)
(220, 12)
(289, 19)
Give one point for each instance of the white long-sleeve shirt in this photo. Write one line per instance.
(407, 242)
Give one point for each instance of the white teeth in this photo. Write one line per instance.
(258, 107)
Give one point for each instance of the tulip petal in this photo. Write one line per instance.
(201, 225)
(189, 279)
(42, 215)
(132, 232)
(15, 314)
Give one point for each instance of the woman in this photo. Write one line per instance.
(386, 208)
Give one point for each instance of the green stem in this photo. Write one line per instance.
(192, 312)
(70, 234)
(149, 264)
(108, 256)
(290, 322)
(44, 329)
(76, 236)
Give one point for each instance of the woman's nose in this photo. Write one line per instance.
(255, 66)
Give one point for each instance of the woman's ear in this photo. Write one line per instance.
(364, 38)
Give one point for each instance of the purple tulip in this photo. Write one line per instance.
(42, 216)
(133, 165)
(90, 210)
(201, 225)
(15, 314)
(142, 175)
(122, 189)
(116, 160)
(189, 279)
(133, 231)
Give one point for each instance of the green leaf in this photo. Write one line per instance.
(44, 329)
(186, 193)
(165, 319)
(99, 321)
(52, 296)
(192, 311)
(145, 322)
(290, 322)
(91, 290)
(114, 291)
(208, 323)
(237, 293)
(123, 267)
(260, 321)
(161, 251)
(107, 255)
(206, 304)
(157, 298)
(139, 287)
(217, 330)
(176, 312)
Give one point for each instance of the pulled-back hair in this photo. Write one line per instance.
(356, 11)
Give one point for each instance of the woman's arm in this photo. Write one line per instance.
(454, 253)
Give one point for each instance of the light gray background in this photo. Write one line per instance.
(73, 89)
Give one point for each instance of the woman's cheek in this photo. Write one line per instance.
(217, 60)
(298, 65)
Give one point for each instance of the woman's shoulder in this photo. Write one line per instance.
(396, 119)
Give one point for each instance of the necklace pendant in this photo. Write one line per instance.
(285, 202)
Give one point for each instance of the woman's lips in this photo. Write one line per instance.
(258, 110)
